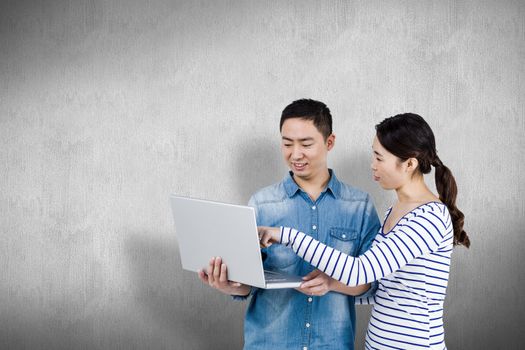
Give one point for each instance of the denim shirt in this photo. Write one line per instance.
(342, 217)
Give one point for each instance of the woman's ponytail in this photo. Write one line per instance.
(409, 136)
(447, 189)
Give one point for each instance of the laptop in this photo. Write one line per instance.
(207, 229)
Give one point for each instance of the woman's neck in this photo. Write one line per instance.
(415, 191)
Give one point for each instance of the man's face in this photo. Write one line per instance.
(304, 148)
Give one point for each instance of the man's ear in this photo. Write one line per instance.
(411, 165)
(330, 141)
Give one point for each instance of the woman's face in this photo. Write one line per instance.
(387, 169)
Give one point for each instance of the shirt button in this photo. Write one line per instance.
(305, 348)
(314, 227)
(310, 300)
(307, 325)
(343, 236)
(313, 208)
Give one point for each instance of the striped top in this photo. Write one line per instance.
(411, 264)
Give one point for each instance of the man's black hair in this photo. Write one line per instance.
(308, 109)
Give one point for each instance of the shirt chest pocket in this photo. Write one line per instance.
(280, 257)
(345, 240)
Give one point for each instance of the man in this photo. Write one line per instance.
(313, 200)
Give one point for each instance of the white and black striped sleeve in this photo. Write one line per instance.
(416, 237)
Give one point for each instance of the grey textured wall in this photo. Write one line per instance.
(108, 107)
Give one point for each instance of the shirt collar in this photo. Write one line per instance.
(333, 186)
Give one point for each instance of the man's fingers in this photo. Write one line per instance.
(217, 269)
(224, 274)
(210, 271)
(216, 275)
(203, 277)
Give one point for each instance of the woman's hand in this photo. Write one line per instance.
(316, 283)
(269, 236)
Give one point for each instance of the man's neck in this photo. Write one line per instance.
(315, 185)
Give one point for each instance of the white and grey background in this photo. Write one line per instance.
(108, 107)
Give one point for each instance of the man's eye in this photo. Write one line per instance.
(287, 145)
(309, 145)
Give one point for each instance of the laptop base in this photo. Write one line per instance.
(277, 280)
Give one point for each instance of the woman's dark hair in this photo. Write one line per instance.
(409, 136)
(308, 109)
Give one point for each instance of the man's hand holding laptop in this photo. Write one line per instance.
(216, 276)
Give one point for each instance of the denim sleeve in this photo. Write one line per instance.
(369, 229)
(251, 203)
(244, 297)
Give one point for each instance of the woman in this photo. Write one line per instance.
(410, 257)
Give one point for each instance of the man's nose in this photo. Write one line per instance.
(297, 153)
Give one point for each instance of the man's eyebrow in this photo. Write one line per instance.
(300, 140)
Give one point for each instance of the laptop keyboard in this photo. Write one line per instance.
(271, 276)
